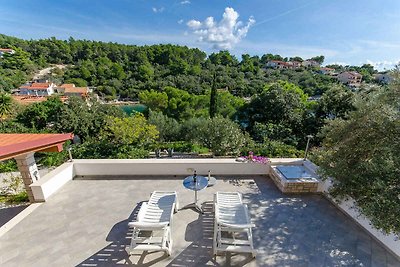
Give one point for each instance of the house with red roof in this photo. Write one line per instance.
(69, 89)
(31, 99)
(37, 89)
(350, 78)
(6, 51)
(310, 63)
(326, 71)
(278, 64)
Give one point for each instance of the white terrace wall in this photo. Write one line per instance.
(126, 167)
(52, 181)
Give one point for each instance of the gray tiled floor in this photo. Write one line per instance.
(85, 224)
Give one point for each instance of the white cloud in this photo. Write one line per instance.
(194, 24)
(185, 2)
(158, 10)
(180, 21)
(284, 49)
(383, 65)
(342, 63)
(224, 34)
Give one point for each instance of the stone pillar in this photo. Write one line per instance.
(29, 172)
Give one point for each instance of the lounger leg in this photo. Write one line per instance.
(215, 239)
(250, 236)
(133, 244)
(176, 206)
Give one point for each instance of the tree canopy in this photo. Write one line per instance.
(361, 154)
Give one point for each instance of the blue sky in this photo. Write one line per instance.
(345, 31)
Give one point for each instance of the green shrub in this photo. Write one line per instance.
(222, 136)
(185, 147)
(180, 146)
(274, 149)
(168, 127)
(18, 198)
(129, 152)
(101, 149)
(8, 166)
(199, 149)
(51, 159)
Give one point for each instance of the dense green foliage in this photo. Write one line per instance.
(5, 105)
(181, 83)
(124, 71)
(8, 166)
(181, 87)
(21, 197)
(222, 136)
(361, 154)
(199, 103)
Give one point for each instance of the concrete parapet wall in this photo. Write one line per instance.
(53, 181)
(126, 167)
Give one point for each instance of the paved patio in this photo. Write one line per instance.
(85, 224)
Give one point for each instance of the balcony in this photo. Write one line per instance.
(83, 221)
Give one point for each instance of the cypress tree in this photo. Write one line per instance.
(213, 97)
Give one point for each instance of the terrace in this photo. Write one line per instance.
(84, 221)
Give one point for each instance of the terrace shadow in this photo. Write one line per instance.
(115, 253)
(199, 252)
(7, 213)
(303, 229)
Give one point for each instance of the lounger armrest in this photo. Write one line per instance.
(148, 225)
(238, 226)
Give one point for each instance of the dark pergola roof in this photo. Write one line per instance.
(12, 145)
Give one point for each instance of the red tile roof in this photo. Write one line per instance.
(6, 50)
(46, 85)
(76, 90)
(12, 145)
(36, 86)
(30, 99)
(278, 61)
(67, 85)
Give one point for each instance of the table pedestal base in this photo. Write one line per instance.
(194, 206)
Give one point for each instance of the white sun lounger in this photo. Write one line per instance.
(228, 198)
(152, 230)
(232, 225)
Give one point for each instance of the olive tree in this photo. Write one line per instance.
(362, 156)
(222, 136)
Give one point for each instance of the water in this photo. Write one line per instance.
(129, 109)
(295, 172)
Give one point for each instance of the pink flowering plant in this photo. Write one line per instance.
(257, 159)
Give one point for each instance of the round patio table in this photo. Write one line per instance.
(190, 183)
